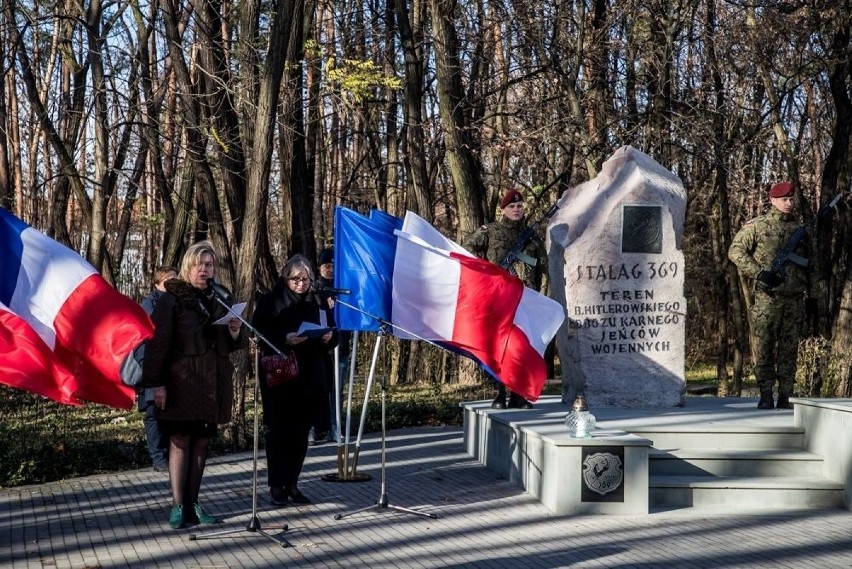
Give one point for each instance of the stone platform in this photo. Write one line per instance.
(712, 453)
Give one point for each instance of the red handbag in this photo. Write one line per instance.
(280, 368)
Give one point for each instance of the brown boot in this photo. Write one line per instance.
(784, 401)
(766, 401)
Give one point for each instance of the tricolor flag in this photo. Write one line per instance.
(64, 331)
(441, 293)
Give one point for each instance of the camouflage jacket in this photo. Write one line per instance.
(756, 244)
(493, 241)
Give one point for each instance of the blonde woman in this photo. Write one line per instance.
(187, 364)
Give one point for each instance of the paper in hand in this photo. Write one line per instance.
(237, 308)
(311, 330)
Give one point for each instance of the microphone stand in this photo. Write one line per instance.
(383, 502)
(253, 525)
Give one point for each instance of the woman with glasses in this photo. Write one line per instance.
(289, 407)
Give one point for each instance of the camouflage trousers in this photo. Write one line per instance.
(775, 324)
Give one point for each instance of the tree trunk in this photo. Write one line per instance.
(842, 332)
(465, 169)
(414, 147)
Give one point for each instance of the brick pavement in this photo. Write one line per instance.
(119, 520)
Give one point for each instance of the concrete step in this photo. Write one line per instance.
(724, 437)
(734, 462)
(743, 493)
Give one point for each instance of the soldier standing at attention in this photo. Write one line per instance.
(492, 242)
(776, 314)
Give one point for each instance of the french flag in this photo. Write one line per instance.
(64, 331)
(430, 288)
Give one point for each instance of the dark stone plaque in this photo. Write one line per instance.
(642, 229)
(602, 474)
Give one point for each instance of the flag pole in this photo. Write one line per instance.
(347, 462)
(344, 472)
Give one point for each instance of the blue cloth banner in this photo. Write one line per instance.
(364, 252)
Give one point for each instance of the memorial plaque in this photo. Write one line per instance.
(615, 256)
(642, 229)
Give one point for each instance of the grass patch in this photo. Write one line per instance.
(42, 441)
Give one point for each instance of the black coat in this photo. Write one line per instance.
(277, 314)
(345, 341)
(190, 356)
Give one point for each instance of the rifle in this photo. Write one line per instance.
(774, 276)
(516, 252)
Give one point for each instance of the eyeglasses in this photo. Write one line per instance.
(298, 280)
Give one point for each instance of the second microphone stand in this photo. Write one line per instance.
(253, 525)
(383, 502)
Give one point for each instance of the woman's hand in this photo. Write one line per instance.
(160, 397)
(234, 325)
(294, 339)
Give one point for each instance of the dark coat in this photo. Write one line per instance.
(345, 341)
(493, 241)
(190, 356)
(277, 314)
(148, 303)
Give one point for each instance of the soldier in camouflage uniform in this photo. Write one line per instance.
(492, 242)
(776, 315)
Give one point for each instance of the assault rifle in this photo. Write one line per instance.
(774, 276)
(516, 252)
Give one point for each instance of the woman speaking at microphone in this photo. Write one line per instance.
(290, 405)
(187, 363)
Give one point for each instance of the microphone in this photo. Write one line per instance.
(319, 287)
(218, 289)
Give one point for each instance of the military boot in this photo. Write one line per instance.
(784, 401)
(499, 401)
(766, 401)
(518, 402)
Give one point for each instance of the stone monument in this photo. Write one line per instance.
(616, 264)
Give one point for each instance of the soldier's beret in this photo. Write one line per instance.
(512, 196)
(782, 190)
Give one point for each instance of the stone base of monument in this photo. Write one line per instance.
(605, 472)
(715, 455)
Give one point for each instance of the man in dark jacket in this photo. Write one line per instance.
(326, 279)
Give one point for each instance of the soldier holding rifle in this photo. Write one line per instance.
(495, 242)
(773, 249)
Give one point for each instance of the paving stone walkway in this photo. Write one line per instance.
(119, 520)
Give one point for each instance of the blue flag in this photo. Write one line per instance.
(364, 252)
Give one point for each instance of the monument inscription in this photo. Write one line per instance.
(622, 269)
